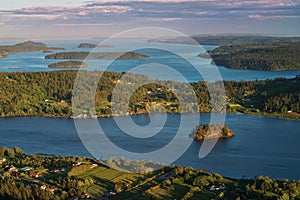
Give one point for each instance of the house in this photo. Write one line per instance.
(2, 160)
(43, 187)
(55, 171)
(11, 168)
(34, 175)
(219, 186)
(27, 168)
(77, 163)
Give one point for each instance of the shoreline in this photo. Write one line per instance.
(267, 115)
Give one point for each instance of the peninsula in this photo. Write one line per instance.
(102, 55)
(28, 46)
(266, 56)
(68, 64)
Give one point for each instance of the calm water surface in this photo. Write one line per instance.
(34, 61)
(261, 145)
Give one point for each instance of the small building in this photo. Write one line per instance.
(2, 160)
(219, 186)
(11, 168)
(43, 187)
(34, 175)
(27, 168)
(77, 163)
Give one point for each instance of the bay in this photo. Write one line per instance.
(261, 145)
(35, 62)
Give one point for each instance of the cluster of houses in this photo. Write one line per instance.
(218, 186)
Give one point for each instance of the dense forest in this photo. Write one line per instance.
(45, 177)
(211, 131)
(265, 56)
(68, 64)
(28, 46)
(88, 55)
(50, 94)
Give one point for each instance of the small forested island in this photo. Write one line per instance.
(28, 46)
(44, 176)
(265, 56)
(94, 55)
(91, 46)
(211, 131)
(50, 94)
(68, 64)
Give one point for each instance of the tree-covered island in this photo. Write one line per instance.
(211, 131)
(95, 55)
(92, 46)
(68, 64)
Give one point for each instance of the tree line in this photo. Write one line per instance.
(50, 94)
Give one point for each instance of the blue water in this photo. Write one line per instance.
(261, 145)
(34, 61)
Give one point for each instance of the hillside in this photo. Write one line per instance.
(52, 177)
(267, 56)
(28, 46)
(50, 94)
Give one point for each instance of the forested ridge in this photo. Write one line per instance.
(50, 94)
(265, 56)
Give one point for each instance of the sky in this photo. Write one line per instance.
(66, 19)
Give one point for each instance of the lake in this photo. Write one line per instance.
(34, 61)
(261, 145)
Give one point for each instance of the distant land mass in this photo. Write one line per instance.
(265, 56)
(225, 39)
(102, 55)
(28, 46)
(91, 46)
(211, 131)
(68, 64)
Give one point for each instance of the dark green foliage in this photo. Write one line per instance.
(68, 64)
(50, 94)
(266, 56)
(88, 55)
